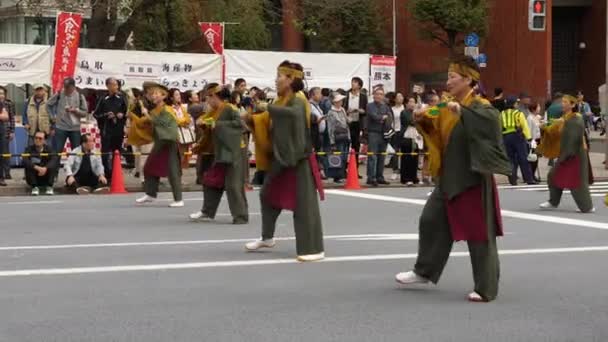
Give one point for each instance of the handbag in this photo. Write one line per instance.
(410, 133)
(186, 135)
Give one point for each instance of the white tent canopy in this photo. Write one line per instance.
(21, 64)
(185, 71)
(326, 70)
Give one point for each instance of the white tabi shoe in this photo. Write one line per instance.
(311, 257)
(547, 205)
(199, 216)
(476, 298)
(259, 244)
(409, 278)
(145, 199)
(587, 212)
(178, 204)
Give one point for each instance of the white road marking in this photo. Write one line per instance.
(357, 237)
(31, 202)
(525, 186)
(241, 263)
(505, 213)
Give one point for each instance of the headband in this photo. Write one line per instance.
(214, 90)
(291, 72)
(465, 71)
(571, 98)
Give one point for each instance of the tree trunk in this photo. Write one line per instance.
(452, 46)
(101, 25)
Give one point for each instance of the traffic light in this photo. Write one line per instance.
(537, 10)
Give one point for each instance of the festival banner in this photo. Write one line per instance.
(214, 34)
(67, 38)
(383, 72)
(184, 71)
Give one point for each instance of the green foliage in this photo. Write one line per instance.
(164, 26)
(251, 33)
(445, 21)
(350, 26)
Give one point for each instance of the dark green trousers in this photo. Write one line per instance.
(307, 216)
(175, 179)
(235, 191)
(435, 244)
(582, 196)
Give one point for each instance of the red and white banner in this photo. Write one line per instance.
(383, 72)
(214, 34)
(67, 38)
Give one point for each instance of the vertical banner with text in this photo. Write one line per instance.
(383, 72)
(214, 34)
(67, 38)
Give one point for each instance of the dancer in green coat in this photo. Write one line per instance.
(572, 169)
(223, 130)
(465, 146)
(293, 180)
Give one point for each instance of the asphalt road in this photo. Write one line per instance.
(102, 269)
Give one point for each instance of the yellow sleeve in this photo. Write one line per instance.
(523, 123)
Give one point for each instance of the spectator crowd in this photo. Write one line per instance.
(377, 126)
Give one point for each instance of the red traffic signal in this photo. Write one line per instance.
(539, 7)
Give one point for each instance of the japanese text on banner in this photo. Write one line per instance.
(383, 72)
(67, 38)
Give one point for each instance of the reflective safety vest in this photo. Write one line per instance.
(509, 120)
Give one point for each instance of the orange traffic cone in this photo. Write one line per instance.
(352, 174)
(118, 182)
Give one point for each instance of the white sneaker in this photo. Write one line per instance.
(49, 191)
(476, 298)
(589, 212)
(176, 204)
(199, 216)
(35, 191)
(145, 199)
(409, 184)
(83, 190)
(408, 278)
(394, 176)
(547, 205)
(311, 257)
(258, 244)
(101, 191)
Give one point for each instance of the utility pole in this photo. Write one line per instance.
(606, 92)
(394, 28)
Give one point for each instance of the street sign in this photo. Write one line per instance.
(482, 60)
(471, 51)
(471, 40)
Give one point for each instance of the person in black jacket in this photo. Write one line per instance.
(111, 114)
(41, 165)
(355, 105)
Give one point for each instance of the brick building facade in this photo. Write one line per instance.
(518, 59)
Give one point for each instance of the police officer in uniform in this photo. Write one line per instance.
(516, 133)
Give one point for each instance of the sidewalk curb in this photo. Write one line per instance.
(16, 190)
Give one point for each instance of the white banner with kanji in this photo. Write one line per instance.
(383, 72)
(325, 70)
(21, 64)
(185, 71)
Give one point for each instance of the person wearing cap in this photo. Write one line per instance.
(465, 134)
(68, 107)
(223, 169)
(564, 139)
(163, 161)
(516, 133)
(293, 180)
(36, 116)
(339, 135)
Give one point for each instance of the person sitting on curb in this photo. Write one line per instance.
(41, 165)
(84, 170)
